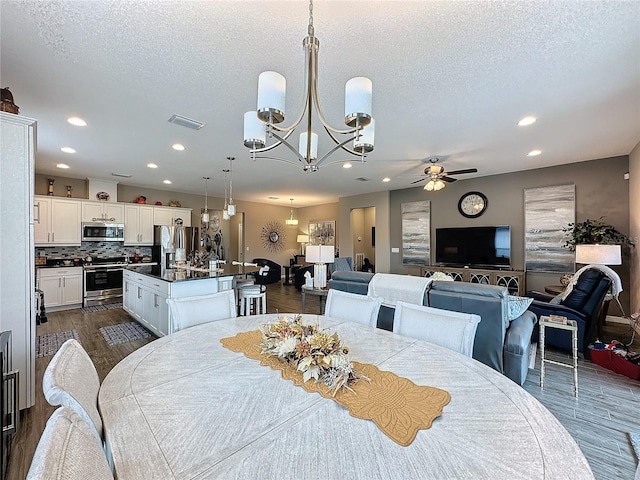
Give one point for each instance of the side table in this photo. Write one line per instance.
(318, 292)
(572, 326)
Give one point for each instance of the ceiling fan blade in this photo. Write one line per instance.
(418, 181)
(448, 179)
(467, 170)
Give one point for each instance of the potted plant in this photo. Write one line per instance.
(591, 232)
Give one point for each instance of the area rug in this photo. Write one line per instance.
(635, 443)
(100, 308)
(124, 333)
(47, 345)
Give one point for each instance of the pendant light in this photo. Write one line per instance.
(225, 211)
(291, 220)
(205, 214)
(231, 208)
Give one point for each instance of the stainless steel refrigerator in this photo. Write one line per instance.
(167, 240)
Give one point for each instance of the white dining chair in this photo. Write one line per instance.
(190, 311)
(257, 292)
(68, 449)
(453, 330)
(352, 307)
(71, 380)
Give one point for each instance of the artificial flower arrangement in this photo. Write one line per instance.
(317, 354)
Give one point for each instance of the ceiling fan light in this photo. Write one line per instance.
(429, 186)
(438, 185)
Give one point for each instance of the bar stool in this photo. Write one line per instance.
(572, 326)
(257, 292)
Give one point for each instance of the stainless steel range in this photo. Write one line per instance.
(103, 280)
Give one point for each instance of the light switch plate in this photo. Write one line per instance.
(395, 250)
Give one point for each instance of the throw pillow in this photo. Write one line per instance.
(517, 306)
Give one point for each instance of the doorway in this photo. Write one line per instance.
(363, 229)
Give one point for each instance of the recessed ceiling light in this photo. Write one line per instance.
(534, 153)
(168, 182)
(68, 150)
(152, 165)
(528, 120)
(177, 146)
(62, 165)
(386, 179)
(76, 122)
(347, 165)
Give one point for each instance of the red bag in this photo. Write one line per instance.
(612, 361)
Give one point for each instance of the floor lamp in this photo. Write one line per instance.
(320, 255)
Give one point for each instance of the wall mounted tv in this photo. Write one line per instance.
(474, 247)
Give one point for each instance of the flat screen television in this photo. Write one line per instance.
(474, 247)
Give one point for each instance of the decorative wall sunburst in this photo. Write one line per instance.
(273, 236)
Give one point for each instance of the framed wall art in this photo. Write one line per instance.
(416, 228)
(322, 233)
(546, 211)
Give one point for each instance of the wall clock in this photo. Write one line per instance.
(472, 204)
(273, 236)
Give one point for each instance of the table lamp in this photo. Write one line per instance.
(302, 240)
(598, 254)
(320, 255)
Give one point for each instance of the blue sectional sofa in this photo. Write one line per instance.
(501, 344)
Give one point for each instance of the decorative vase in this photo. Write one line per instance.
(50, 188)
(566, 279)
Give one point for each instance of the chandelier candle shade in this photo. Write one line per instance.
(271, 107)
(320, 255)
(205, 214)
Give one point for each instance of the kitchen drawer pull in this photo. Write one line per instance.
(37, 205)
(11, 385)
(155, 300)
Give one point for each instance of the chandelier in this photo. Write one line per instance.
(291, 220)
(265, 121)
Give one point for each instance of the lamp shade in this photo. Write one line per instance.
(366, 140)
(320, 254)
(272, 88)
(357, 100)
(255, 131)
(598, 254)
(302, 238)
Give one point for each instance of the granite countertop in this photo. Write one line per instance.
(181, 275)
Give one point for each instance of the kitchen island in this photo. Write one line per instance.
(146, 289)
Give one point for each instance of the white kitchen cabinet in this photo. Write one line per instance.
(17, 274)
(138, 225)
(62, 287)
(145, 297)
(56, 221)
(109, 212)
(168, 215)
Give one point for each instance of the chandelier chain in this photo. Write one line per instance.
(310, 29)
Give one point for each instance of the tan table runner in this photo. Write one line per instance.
(396, 405)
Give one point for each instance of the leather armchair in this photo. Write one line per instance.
(583, 304)
(275, 271)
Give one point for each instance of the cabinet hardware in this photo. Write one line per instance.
(155, 300)
(37, 205)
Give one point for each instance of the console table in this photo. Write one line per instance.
(514, 280)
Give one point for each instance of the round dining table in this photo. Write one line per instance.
(186, 407)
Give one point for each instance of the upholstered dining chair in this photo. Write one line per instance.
(71, 380)
(68, 449)
(352, 307)
(453, 330)
(190, 311)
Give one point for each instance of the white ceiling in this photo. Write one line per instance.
(450, 79)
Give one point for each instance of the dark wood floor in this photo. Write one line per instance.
(606, 410)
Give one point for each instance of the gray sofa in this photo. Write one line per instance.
(500, 344)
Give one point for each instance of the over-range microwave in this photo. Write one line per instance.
(102, 232)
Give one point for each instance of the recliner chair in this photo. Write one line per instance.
(583, 304)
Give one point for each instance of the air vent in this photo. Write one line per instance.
(123, 175)
(186, 122)
(362, 179)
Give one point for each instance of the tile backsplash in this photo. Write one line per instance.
(93, 249)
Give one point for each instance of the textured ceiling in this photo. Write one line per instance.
(450, 79)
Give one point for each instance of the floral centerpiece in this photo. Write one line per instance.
(315, 353)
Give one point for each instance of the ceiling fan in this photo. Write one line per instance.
(437, 175)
